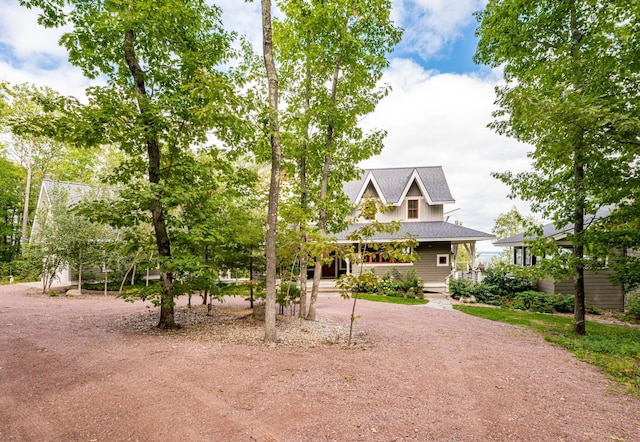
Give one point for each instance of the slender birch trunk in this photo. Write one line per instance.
(274, 186)
(27, 196)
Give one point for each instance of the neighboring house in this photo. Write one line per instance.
(417, 197)
(49, 190)
(72, 193)
(599, 291)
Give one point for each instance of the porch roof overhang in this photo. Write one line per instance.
(424, 231)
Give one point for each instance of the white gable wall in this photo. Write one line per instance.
(426, 212)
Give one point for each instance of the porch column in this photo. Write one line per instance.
(472, 252)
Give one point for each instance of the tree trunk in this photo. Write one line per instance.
(579, 327)
(353, 317)
(274, 187)
(45, 275)
(251, 279)
(124, 279)
(106, 279)
(25, 210)
(167, 319)
(322, 219)
(578, 249)
(304, 267)
(322, 216)
(79, 272)
(304, 254)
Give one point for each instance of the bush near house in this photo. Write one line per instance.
(632, 309)
(505, 289)
(393, 283)
(502, 281)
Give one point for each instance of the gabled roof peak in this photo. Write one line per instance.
(392, 184)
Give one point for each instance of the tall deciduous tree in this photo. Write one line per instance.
(276, 158)
(164, 93)
(511, 223)
(28, 124)
(332, 53)
(568, 94)
(11, 188)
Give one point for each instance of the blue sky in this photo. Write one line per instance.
(437, 113)
(457, 56)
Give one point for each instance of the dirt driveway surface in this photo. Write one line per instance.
(71, 371)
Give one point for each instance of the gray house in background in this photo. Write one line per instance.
(417, 197)
(599, 291)
(69, 194)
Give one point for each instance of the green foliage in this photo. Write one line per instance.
(542, 302)
(400, 250)
(22, 270)
(166, 91)
(287, 294)
(151, 292)
(504, 289)
(395, 283)
(614, 349)
(632, 308)
(570, 73)
(365, 282)
(503, 281)
(462, 288)
(511, 223)
(331, 56)
(11, 190)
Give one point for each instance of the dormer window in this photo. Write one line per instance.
(412, 209)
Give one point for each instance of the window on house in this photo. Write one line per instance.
(442, 260)
(378, 257)
(412, 209)
(518, 256)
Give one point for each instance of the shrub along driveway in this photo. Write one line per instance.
(69, 370)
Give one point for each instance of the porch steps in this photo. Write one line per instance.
(327, 286)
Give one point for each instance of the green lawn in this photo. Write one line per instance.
(614, 349)
(392, 299)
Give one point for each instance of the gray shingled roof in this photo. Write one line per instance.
(73, 191)
(424, 231)
(394, 181)
(550, 230)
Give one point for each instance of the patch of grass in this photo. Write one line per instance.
(392, 299)
(614, 349)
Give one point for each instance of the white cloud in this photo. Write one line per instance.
(66, 79)
(244, 18)
(437, 119)
(20, 31)
(430, 25)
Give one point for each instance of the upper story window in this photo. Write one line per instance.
(412, 209)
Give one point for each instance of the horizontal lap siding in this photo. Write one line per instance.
(598, 290)
(426, 266)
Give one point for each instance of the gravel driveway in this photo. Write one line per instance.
(71, 371)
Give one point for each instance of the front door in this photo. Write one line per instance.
(329, 270)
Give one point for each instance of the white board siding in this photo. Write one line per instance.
(434, 213)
